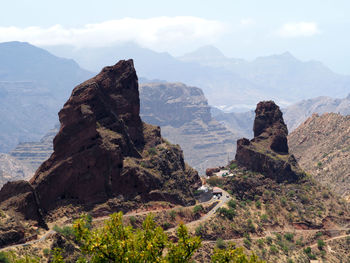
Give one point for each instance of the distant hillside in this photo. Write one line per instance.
(184, 116)
(233, 83)
(239, 122)
(33, 154)
(13, 169)
(322, 147)
(294, 114)
(33, 86)
(299, 112)
(281, 76)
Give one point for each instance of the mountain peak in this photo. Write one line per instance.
(207, 51)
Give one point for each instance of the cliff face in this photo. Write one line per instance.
(104, 151)
(267, 152)
(322, 147)
(184, 116)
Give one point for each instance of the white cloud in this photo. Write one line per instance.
(247, 22)
(152, 32)
(300, 29)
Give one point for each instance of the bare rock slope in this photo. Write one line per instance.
(322, 147)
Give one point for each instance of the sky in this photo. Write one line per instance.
(309, 29)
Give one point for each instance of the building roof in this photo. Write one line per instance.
(217, 190)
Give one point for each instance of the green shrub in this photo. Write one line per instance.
(233, 166)
(152, 151)
(46, 252)
(215, 181)
(264, 218)
(269, 240)
(258, 204)
(247, 243)
(250, 226)
(260, 242)
(2, 215)
(299, 242)
(197, 209)
(273, 249)
(224, 212)
(283, 201)
(319, 234)
(320, 244)
(4, 258)
(199, 231)
(166, 225)
(220, 243)
(66, 231)
(289, 237)
(279, 236)
(132, 220)
(232, 203)
(308, 252)
(172, 214)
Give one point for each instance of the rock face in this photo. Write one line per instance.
(267, 152)
(184, 116)
(104, 151)
(269, 126)
(322, 147)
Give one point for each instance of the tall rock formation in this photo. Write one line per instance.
(103, 151)
(267, 152)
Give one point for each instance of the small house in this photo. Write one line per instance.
(217, 192)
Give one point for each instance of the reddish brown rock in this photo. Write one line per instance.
(269, 125)
(267, 152)
(104, 151)
(211, 171)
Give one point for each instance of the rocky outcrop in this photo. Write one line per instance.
(103, 152)
(267, 152)
(322, 147)
(270, 127)
(184, 116)
(22, 196)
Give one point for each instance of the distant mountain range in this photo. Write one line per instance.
(233, 84)
(294, 115)
(184, 116)
(33, 86)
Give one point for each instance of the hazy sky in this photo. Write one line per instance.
(309, 29)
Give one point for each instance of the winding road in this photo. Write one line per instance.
(223, 200)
